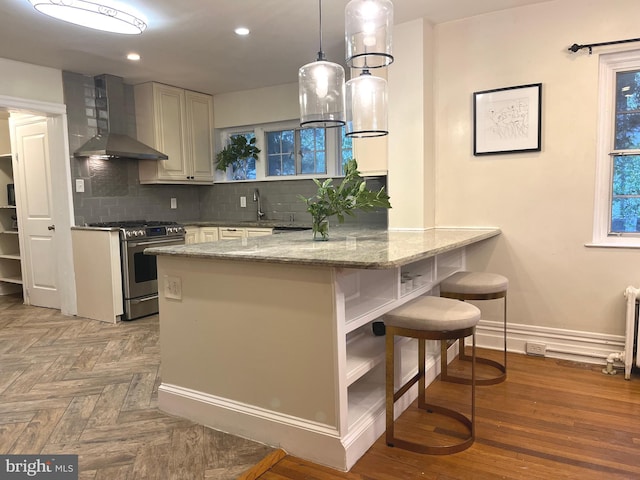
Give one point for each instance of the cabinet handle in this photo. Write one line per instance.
(51, 227)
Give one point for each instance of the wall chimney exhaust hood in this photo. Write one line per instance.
(111, 140)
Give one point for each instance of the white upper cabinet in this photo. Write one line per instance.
(179, 123)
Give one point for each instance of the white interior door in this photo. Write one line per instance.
(36, 222)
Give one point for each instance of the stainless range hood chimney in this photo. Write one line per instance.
(111, 140)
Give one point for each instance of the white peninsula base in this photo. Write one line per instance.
(283, 353)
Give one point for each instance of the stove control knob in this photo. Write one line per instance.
(170, 230)
(140, 233)
(127, 234)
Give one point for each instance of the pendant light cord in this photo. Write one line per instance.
(320, 52)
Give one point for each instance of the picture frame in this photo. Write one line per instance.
(507, 120)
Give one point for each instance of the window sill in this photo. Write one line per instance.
(617, 244)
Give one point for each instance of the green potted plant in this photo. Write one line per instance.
(352, 194)
(236, 155)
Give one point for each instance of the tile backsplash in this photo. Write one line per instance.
(112, 190)
(279, 202)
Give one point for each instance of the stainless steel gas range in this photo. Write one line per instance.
(139, 271)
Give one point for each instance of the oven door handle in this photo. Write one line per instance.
(146, 299)
(147, 243)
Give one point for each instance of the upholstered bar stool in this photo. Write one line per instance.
(429, 318)
(476, 286)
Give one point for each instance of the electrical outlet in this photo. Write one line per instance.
(173, 287)
(243, 202)
(174, 203)
(533, 348)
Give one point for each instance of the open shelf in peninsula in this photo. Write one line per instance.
(292, 318)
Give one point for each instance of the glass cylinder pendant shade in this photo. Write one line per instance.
(366, 102)
(321, 90)
(368, 25)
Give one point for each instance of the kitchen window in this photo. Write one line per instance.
(288, 151)
(297, 151)
(617, 210)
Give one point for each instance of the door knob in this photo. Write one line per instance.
(51, 227)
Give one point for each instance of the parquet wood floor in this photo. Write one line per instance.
(78, 386)
(550, 420)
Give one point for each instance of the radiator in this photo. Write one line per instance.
(631, 334)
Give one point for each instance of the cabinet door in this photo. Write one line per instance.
(209, 234)
(170, 132)
(192, 235)
(258, 232)
(227, 233)
(199, 116)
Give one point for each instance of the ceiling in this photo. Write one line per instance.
(191, 43)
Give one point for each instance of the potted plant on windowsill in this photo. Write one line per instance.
(352, 194)
(236, 155)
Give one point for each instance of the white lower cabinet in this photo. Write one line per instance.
(213, 234)
(209, 234)
(192, 235)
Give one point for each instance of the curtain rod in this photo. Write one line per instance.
(575, 47)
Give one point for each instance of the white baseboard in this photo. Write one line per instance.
(578, 346)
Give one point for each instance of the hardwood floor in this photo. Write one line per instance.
(78, 386)
(550, 420)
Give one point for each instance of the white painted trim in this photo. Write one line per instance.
(578, 346)
(36, 107)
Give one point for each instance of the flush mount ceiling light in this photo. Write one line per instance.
(321, 91)
(92, 15)
(368, 25)
(242, 31)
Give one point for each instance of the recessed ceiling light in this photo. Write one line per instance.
(134, 57)
(242, 31)
(92, 15)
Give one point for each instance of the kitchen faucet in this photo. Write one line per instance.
(256, 198)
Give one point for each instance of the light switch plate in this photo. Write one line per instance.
(174, 203)
(243, 202)
(79, 185)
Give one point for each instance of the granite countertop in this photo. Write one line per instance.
(347, 247)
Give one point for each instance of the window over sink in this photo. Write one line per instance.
(288, 151)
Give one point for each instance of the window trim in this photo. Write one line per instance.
(610, 65)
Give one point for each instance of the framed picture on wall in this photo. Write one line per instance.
(507, 120)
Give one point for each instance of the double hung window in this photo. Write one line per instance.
(617, 209)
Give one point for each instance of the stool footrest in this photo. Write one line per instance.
(438, 449)
(445, 377)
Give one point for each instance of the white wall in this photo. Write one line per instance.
(260, 105)
(32, 82)
(542, 201)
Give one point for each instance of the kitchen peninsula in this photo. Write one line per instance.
(270, 338)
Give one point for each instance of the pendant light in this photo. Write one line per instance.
(91, 15)
(368, 25)
(321, 91)
(366, 102)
